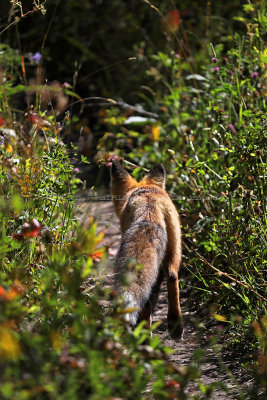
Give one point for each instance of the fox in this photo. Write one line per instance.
(151, 241)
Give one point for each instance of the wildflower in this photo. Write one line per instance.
(232, 128)
(97, 255)
(155, 131)
(29, 230)
(254, 74)
(214, 59)
(173, 20)
(36, 57)
(219, 328)
(1, 140)
(2, 121)
(16, 290)
(76, 170)
(110, 159)
(66, 85)
(172, 387)
(9, 148)
(14, 171)
(216, 69)
(35, 119)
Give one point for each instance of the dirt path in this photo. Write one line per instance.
(211, 369)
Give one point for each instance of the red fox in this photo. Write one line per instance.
(151, 238)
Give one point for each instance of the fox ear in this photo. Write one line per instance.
(118, 172)
(158, 175)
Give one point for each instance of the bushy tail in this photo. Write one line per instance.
(138, 263)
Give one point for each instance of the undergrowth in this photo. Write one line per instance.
(208, 126)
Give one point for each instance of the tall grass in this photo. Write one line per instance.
(209, 128)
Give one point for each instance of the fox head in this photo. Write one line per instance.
(156, 176)
(119, 175)
(122, 182)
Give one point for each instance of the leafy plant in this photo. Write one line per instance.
(211, 133)
(207, 124)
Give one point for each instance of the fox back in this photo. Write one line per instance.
(150, 244)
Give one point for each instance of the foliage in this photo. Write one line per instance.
(211, 133)
(57, 341)
(207, 125)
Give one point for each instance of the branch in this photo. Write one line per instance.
(219, 272)
(111, 102)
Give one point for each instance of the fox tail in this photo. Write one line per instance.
(148, 253)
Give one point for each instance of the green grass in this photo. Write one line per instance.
(209, 130)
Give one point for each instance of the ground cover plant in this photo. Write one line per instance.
(204, 117)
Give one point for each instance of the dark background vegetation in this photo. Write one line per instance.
(87, 37)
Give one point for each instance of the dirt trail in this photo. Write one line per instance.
(211, 370)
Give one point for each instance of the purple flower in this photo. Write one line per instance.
(66, 85)
(216, 69)
(36, 57)
(114, 157)
(254, 74)
(76, 170)
(214, 59)
(219, 328)
(231, 126)
(1, 140)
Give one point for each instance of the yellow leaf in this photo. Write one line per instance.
(9, 345)
(127, 310)
(219, 317)
(56, 340)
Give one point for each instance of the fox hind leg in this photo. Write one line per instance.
(156, 289)
(175, 321)
(146, 314)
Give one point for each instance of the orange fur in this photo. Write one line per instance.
(151, 237)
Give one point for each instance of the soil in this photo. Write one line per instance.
(227, 373)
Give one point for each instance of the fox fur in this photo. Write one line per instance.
(150, 245)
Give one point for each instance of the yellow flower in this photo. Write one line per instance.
(9, 148)
(155, 131)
